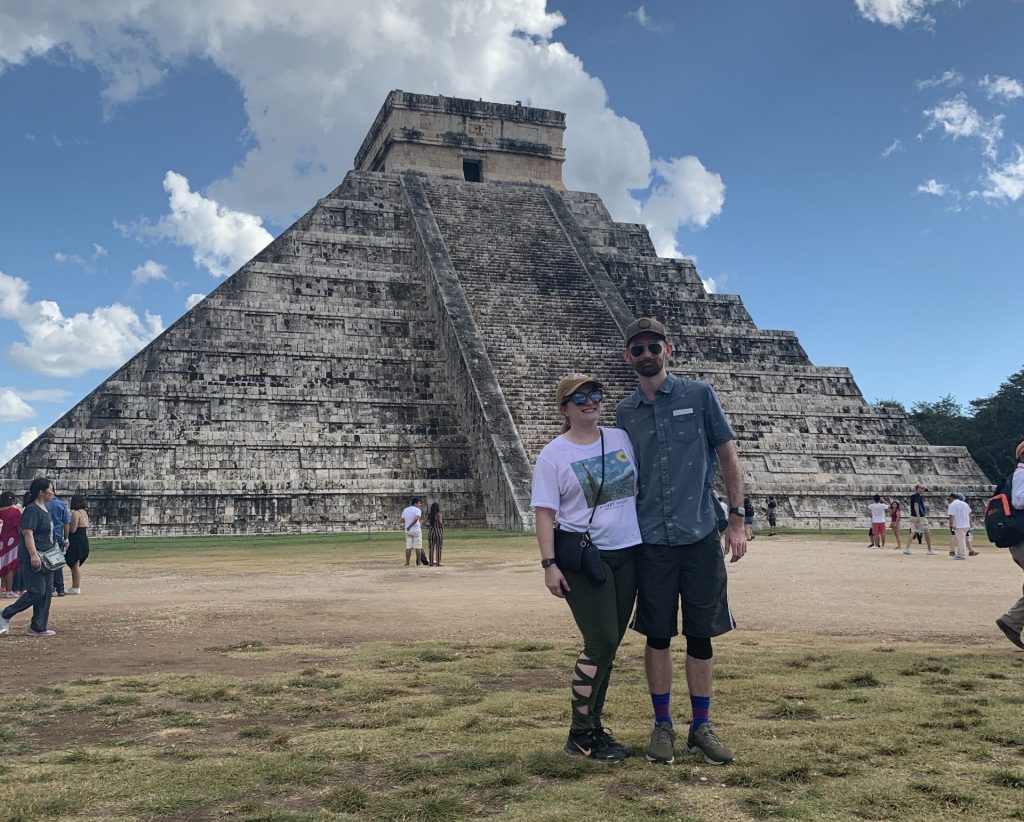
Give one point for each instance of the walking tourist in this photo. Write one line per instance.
(10, 522)
(967, 537)
(918, 519)
(748, 518)
(680, 434)
(959, 513)
(435, 533)
(877, 508)
(895, 517)
(585, 480)
(78, 539)
(772, 521)
(36, 536)
(411, 517)
(61, 523)
(1012, 622)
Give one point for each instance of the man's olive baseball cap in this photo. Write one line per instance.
(645, 325)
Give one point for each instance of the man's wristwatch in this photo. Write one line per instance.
(547, 562)
(740, 512)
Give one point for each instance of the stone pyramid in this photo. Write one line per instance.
(405, 336)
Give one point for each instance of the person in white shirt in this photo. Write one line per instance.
(878, 510)
(1012, 622)
(413, 530)
(959, 513)
(586, 480)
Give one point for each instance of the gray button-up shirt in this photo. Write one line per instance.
(674, 439)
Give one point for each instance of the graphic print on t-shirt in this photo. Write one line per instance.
(618, 477)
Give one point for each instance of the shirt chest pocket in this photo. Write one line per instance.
(685, 428)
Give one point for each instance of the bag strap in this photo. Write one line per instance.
(597, 496)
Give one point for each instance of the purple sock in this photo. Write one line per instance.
(662, 707)
(701, 706)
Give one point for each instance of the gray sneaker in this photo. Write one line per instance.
(5, 626)
(706, 742)
(660, 749)
(1011, 634)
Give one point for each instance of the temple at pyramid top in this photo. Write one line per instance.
(469, 140)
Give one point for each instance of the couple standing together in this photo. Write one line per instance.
(643, 490)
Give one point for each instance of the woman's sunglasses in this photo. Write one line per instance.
(581, 397)
(638, 350)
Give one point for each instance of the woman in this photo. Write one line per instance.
(895, 517)
(10, 520)
(78, 537)
(435, 532)
(586, 480)
(748, 518)
(36, 537)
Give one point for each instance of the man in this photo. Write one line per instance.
(959, 513)
(679, 435)
(1012, 622)
(967, 537)
(61, 531)
(878, 509)
(918, 521)
(411, 517)
(772, 521)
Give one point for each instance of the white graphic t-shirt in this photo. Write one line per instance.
(566, 479)
(408, 515)
(878, 510)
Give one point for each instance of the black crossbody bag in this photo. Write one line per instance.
(575, 551)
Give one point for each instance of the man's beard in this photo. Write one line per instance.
(648, 368)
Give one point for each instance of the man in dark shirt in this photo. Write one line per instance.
(680, 435)
(918, 520)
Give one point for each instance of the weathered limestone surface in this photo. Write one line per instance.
(405, 336)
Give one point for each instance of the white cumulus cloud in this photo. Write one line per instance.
(950, 77)
(1001, 87)
(221, 239)
(957, 118)
(1006, 182)
(12, 447)
(149, 271)
(900, 13)
(312, 82)
(645, 20)
(13, 407)
(932, 186)
(193, 300)
(895, 146)
(684, 193)
(69, 346)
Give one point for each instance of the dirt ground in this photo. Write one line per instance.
(172, 615)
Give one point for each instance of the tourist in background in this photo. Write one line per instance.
(589, 471)
(877, 509)
(36, 537)
(78, 542)
(411, 517)
(1012, 622)
(895, 518)
(10, 522)
(918, 519)
(959, 513)
(772, 521)
(61, 524)
(748, 518)
(435, 533)
(967, 537)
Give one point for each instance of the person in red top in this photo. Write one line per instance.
(10, 520)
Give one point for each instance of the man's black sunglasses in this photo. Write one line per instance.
(638, 350)
(581, 397)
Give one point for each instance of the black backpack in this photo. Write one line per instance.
(1004, 524)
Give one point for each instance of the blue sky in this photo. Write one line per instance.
(853, 168)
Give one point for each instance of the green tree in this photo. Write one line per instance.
(942, 422)
(996, 426)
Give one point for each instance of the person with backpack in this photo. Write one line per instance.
(1012, 622)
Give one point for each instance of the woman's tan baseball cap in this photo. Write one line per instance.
(571, 384)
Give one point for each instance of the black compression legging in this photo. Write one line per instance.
(602, 613)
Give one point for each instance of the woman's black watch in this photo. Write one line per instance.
(547, 562)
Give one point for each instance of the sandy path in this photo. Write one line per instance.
(167, 615)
